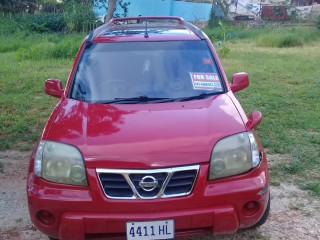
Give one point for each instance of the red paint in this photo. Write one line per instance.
(147, 136)
(274, 13)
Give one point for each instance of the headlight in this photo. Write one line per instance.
(60, 163)
(234, 155)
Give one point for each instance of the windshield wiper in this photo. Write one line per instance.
(137, 100)
(200, 96)
(146, 99)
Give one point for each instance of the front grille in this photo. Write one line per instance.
(115, 185)
(136, 178)
(181, 182)
(147, 184)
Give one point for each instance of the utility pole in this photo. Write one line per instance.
(311, 10)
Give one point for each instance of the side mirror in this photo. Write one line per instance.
(254, 119)
(239, 81)
(54, 87)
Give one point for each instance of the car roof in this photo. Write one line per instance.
(148, 28)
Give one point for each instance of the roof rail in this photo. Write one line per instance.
(146, 18)
(113, 21)
(195, 29)
(94, 33)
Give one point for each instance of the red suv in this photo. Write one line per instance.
(147, 140)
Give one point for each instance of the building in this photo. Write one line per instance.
(190, 11)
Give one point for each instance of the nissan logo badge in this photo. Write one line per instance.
(148, 183)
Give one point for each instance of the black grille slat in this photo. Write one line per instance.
(179, 175)
(177, 190)
(115, 185)
(119, 193)
(180, 183)
(174, 183)
(111, 179)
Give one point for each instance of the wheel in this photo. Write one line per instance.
(264, 216)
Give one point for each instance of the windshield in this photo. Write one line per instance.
(154, 70)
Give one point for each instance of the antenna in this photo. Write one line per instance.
(146, 35)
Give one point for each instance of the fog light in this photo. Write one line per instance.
(250, 208)
(46, 217)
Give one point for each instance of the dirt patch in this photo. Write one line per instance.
(294, 214)
(274, 159)
(13, 202)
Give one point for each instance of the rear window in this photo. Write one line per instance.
(173, 69)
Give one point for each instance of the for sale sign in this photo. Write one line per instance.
(205, 81)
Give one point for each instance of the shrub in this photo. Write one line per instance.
(43, 22)
(280, 40)
(65, 49)
(78, 15)
(289, 41)
(318, 22)
(8, 26)
(38, 51)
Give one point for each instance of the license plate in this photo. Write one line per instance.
(150, 230)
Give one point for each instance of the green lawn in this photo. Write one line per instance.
(285, 87)
(24, 107)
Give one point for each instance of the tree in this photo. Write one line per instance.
(111, 9)
(85, 2)
(49, 6)
(110, 6)
(78, 14)
(17, 6)
(218, 6)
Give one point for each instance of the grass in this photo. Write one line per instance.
(268, 37)
(314, 187)
(23, 105)
(41, 46)
(284, 87)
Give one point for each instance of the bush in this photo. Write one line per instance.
(318, 22)
(280, 41)
(8, 26)
(52, 22)
(43, 22)
(78, 15)
(66, 49)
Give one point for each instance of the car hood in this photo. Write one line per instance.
(145, 135)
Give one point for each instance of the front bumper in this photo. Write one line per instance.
(213, 207)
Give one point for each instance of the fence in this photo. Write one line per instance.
(88, 27)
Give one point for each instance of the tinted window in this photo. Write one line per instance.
(172, 69)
